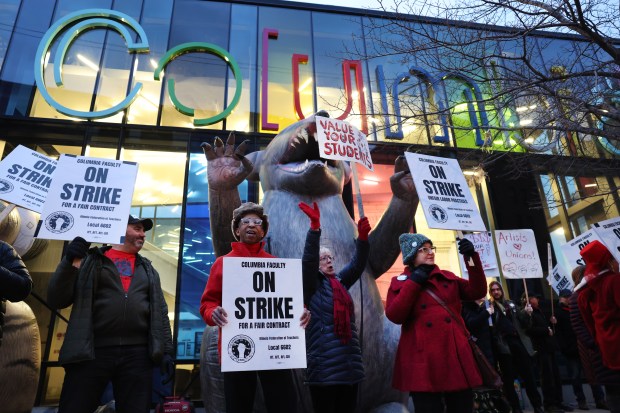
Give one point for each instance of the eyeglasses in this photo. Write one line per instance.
(248, 221)
(325, 258)
(428, 250)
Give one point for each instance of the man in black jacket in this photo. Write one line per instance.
(15, 281)
(119, 327)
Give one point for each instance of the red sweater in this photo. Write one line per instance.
(212, 296)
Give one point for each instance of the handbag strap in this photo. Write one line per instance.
(445, 306)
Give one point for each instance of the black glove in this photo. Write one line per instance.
(77, 248)
(166, 369)
(466, 247)
(420, 273)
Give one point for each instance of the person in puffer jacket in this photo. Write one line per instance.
(334, 357)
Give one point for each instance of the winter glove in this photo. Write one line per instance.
(77, 248)
(466, 248)
(313, 213)
(420, 273)
(166, 369)
(363, 228)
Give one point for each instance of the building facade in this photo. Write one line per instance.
(150, 80)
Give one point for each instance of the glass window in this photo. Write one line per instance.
(8, 16)
(405, 102)
(155, 21)
(17, 70)
(294, 37)
(333, 36)
(199, 78)
(243, 46)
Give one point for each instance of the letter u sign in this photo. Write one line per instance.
(73, 24)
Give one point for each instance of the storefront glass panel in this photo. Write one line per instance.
(294, 37)
(8, 16)
(244, 46)
(155, 21)
(198, 77)
(17, 81)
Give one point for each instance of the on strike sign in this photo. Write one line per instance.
(444, 194)
(264, 301)
(342, 141)
(90, 198)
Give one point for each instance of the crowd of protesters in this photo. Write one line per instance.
(439, 312)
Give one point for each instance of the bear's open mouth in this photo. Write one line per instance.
(302, 153)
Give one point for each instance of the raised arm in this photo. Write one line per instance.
(227, 168)
(352, 272)
(310, 259)
(397, 219)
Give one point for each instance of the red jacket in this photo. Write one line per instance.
(433, 353)
(599, 304)
(212, 295)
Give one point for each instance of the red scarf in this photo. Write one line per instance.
(343, 307)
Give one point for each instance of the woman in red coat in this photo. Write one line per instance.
(434, 362)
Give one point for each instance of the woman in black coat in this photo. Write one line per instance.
(477, 316)
(333, 352)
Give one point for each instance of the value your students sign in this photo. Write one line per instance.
(264, 301)
(444, 194)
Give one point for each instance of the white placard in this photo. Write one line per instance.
(89, 198)
(483, 244)
(343, 141)
(25, 178)
(609, 233)
(518, 254)
(559, 281)
(264, 301)
(445, 197)
(571, 249)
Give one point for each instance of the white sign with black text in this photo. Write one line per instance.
(342, 141)
(264, 301)
(89, 198)
(445, 197)
(609, 233)
(571, 249)
(25, 178)
(559, 281)
(483, 244)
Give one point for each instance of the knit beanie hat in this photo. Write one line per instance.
(596, 256)
(245, 209)
(410, 244)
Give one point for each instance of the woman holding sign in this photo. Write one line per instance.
(334, 356)
(434, 362)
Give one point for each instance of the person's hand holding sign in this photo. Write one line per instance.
(219, 316)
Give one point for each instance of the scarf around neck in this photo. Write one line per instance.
(343, 307)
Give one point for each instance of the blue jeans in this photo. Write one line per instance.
(130, 370)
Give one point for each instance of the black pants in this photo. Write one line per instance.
(549, 379)
(339, 398)
(449, 402)
(130, 370)
(278, 390)
(518, 364)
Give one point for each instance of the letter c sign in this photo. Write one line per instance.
(73, 24)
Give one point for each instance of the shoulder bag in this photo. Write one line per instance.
(490, 377)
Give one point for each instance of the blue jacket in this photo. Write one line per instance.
(329, 361)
